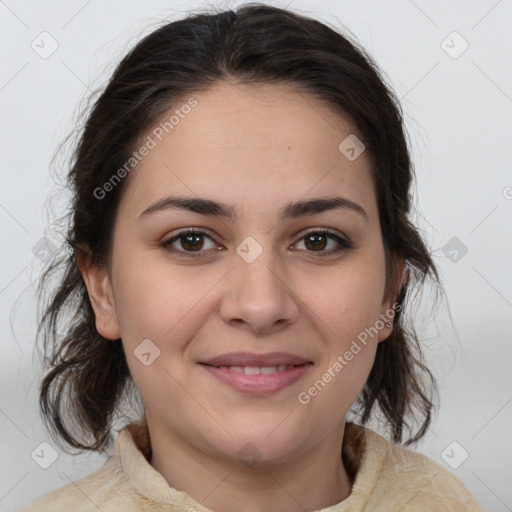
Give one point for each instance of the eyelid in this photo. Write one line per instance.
(343, 241)
(185, 231)
(320, 229)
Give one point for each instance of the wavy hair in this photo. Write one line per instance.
(87, 376)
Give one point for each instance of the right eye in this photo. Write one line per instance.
(190, 241)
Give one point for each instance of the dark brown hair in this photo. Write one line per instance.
(87, 376)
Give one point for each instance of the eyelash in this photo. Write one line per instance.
(344, 244)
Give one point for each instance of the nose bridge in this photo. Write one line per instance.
(257, 294)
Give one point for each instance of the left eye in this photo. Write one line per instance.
(317, 241)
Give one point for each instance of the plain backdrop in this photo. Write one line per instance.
(449, 63)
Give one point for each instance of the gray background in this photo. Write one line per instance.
(458, 108)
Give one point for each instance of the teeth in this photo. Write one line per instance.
(256, 370)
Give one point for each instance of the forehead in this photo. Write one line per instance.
(251, 146)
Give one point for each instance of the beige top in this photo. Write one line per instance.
(388, 478)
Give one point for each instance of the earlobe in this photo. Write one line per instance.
(385, 327)
(99, 288)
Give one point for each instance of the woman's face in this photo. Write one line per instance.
(260, 281)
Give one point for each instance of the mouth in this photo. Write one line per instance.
(257, 370)
(257, 379)
(255, 360)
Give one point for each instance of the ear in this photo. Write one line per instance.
(98, 285)
(387, 309)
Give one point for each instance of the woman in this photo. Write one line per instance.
(240, 255)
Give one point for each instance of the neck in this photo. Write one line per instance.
(316, 479)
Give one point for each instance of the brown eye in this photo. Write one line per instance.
(191, 242)
(316, 242)
(188, 242)
(320, 240)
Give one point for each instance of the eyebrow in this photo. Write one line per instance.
(293, 210)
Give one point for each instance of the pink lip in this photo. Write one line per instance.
(252, 359)
(258, 384)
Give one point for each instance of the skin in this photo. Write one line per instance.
(257, 149)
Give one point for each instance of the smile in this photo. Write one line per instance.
(258, 379)
(255, 370)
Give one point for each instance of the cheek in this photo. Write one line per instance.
(348, 301)
(153, 297)
(346, 306)
(345, 314)
(161, 306)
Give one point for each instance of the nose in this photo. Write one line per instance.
(258, 297)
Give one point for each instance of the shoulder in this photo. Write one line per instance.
(125, 482)
(106, 489)
(411, 480)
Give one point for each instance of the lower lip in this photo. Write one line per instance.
(260, 383)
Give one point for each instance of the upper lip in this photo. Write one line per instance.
(252, 359)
